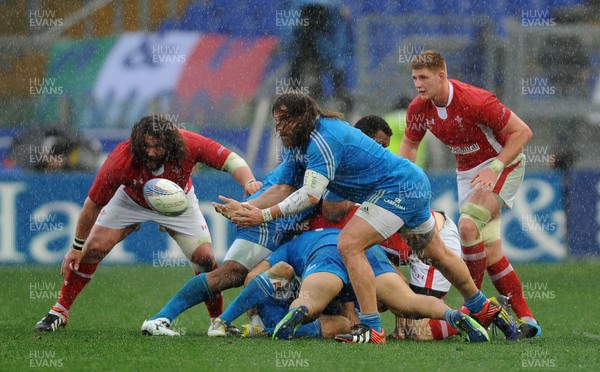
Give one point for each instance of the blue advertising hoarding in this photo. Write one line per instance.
(38, 214)
(584, 209)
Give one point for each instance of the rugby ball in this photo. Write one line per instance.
(165, 197)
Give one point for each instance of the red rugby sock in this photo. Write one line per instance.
(507, 283)
(475, 258)
(74, 283)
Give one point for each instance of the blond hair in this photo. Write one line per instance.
(429, 59)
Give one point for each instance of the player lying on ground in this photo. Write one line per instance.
(315, 257)
(487, 140)
(115, 206)
(338, 317)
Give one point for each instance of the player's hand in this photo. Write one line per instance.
(250, 216)
(486, 179)
(252, 187)
(396, 335)
(228, 207)
(72, 257)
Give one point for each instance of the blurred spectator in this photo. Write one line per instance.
(54, 149)
(321, 41)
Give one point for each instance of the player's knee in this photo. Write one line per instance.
(467, 229)
(347, 246)
(282, 270)
(280, 276)
(473, 218)
(95, 250)
(206, 262)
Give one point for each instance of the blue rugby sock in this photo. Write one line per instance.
(309, 330)
(255, 293)
(193, 292)
(372, 320)
(453, 316)
(475, 303)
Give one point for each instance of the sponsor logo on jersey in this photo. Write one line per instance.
(464, 150)
(395, 202)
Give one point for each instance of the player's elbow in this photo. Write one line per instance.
(527, 134)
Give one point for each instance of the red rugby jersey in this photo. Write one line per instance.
(469, 125)
(119, 169)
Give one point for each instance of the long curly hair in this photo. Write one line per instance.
(303, 110)
(162, 129)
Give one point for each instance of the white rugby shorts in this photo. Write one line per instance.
(122, 212)
(426, 276)
(506, 187)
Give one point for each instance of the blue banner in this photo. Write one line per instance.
(38, 214)
(584, 209)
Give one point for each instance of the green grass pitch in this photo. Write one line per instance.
(104, 329)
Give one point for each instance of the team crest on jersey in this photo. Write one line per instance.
(464, 150)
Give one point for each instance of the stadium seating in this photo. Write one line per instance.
(255, 17)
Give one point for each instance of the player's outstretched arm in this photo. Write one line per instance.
(85, 222)
(272, 195)
(241, 172)
(300, 200)
(408, 149)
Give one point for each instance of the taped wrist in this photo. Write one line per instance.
(78, 244)
(496, 165)
(267, 216)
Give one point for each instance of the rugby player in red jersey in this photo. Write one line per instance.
(115, 206)
(487, 140)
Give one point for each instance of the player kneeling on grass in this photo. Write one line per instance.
(115, 206)
(314, 255)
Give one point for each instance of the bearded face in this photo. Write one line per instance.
(293, 131)
(154, 154)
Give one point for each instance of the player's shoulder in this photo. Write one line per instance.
(189, 136)
(119, 161)
(331, 126)
(470, 94)
(121, 152)
(330, 131)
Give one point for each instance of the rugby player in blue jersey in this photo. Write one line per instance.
(395, 197)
